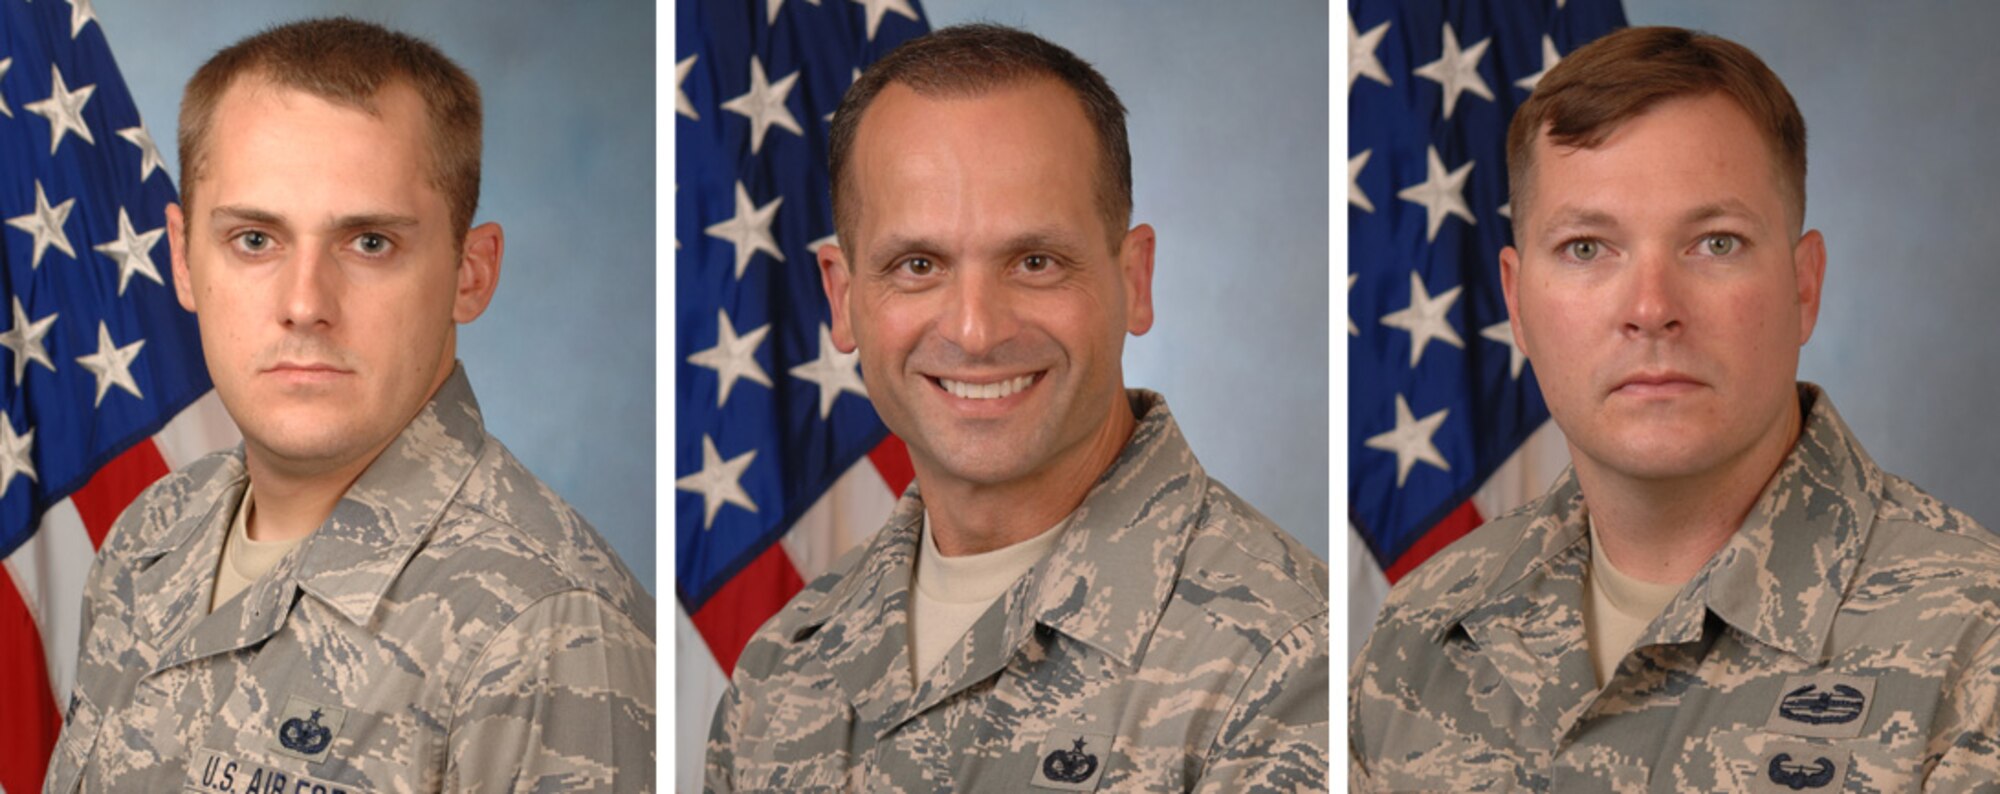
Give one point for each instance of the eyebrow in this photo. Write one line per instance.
(1030, 240)
(1571, 218)
(367, 220)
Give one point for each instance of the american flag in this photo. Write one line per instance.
(781, 464)
(1446, 425)
(103, 387)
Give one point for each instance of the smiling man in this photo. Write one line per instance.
(1724, 593)
(370, 594)
(1064, 600)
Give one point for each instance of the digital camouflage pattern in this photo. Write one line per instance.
(452, 626)
(1175, 639)
(1843, 640)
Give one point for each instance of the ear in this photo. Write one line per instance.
(837, 279)
(1135, 265)
(1809, 268)
(1510, 286)
(478, 272)
(177, 248)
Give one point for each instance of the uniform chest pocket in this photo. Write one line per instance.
(81, 724)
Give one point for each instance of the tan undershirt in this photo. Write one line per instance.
(243, 559)
(1619, 609)
(950, 593)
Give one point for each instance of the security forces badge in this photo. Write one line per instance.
(1071, 760)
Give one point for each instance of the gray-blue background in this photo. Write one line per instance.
(1228, 122)
(1903, 179)
(563, 360)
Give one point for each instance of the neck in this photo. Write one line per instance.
(1663, 530)
(292, 502)
(971, 518)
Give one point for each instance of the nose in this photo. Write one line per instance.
(1653, 300)
(980, 315)
(310, 290)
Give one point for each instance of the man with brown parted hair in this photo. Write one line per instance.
(1065, 600)
(1724, 593)
(371, 593)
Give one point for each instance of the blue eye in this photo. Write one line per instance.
(372, 244)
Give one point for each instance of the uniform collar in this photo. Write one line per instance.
(1780, 577)
(1104, 584)
(350, 561)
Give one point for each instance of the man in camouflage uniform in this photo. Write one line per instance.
(371, 594)
(1147, 630)
(1820, 624)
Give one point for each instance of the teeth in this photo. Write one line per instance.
(986, 391)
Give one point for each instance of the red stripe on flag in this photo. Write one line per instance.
(28, 731)
(892, 461)
(748, 599)
(1454, 526)
(115, 486)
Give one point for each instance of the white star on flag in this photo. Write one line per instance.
(719, 482)
(5, 64)
(1549, 59)
(1504, 334)
(733, 356)
(1458, 71)
(149, 153)
(682, 104)
(1426, 318)
(764, 105)
(64, 110)
(812, 248)
(1355, 195)
(80, 14)
(24, 338)
(1442, 194)
(1411, 440)
(880, 8)
(833, 372)
(1361, 60)
(772, 17)
(133, 251)
(15, 457)
(750, 229)
(46, 224)
(1352, 329)
(112, 364)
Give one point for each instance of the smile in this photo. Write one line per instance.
(986, 391)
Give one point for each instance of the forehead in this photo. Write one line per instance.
(1682, 152)
(943, 158)
(278, 141)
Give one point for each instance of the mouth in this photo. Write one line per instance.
(305, 371)
(987, 390)
(1665, 383)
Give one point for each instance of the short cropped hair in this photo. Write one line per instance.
(1616, 78)
(971, 60)
(347, 62)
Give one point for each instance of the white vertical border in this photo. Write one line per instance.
(666, 599)
(1336, 384)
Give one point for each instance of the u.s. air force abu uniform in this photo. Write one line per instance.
(452, 626)
(1844, 639)
(1174, 639)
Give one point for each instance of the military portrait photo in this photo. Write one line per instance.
(282, 281)
(1634, 544)
(979, 307)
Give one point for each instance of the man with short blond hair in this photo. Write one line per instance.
(371, 593)
(1724, 593)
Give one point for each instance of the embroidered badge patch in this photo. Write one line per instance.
(1789, 767)
(1825, 706)
(1071, 761)
(306, 729)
